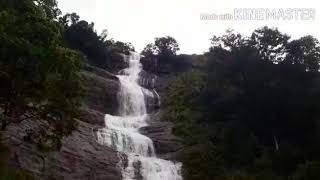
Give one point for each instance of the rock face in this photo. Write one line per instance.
(160, 131)
(101, 88)
(159, 128)
(81, 156)
(166, 70)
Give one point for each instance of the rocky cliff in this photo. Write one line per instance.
(80, 156)
(166, 71)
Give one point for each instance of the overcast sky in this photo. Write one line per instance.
(140, 21)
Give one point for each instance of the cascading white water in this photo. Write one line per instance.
(122, 132)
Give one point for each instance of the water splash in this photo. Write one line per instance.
(122, 132)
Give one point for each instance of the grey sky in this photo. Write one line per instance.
(140, 21)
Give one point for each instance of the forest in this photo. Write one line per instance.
(251, 112)
(41, 55)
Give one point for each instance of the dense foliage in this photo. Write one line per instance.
(98, 49)
(253, 114)
(160, 56)
(41, 55)
(39, 77)
(163, 47)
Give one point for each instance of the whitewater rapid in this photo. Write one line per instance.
(122, 132)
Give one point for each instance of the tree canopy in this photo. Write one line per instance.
(164, 47)
(253, 113)
(100, 50)
(40, 77)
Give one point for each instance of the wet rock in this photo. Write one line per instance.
(99, 72)
(160, 131)
(137, 170)
(92, 116)
(148, 81)
(101, 92)
(166, 70)
(80, 157)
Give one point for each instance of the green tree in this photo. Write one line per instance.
(270, 42)
(149, 50)
(29, 63)
(306, 51)
(98, 49)
(69, 19)
(247, 117)
(164, 47)
(229, 41)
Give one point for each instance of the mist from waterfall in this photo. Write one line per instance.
(122, 132)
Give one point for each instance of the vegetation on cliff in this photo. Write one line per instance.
(253, 113)
(41, 56)
(98, 49)
(39, 76)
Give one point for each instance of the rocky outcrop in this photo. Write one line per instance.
(165, 71)
(159, 128)
(160, 131)
(92, 116)
(99, 72)
(101, 90)
(80, 155)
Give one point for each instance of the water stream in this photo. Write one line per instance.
(122, 132)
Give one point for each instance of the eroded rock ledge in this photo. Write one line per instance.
(160, 131)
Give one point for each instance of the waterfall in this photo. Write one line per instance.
(122, 132)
